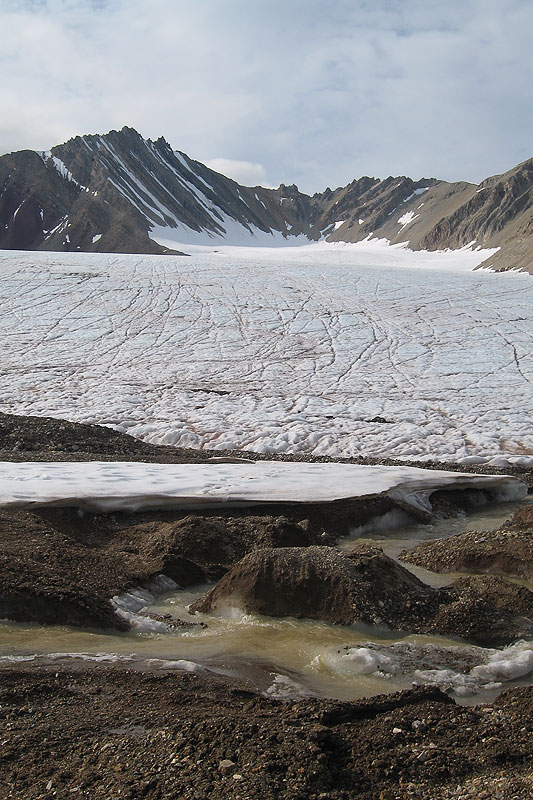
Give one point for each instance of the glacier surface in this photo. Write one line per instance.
(297, 349)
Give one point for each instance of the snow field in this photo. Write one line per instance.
(277, 350)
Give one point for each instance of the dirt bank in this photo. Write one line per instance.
(59, 566)
(505, 551)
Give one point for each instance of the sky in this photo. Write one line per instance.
(279, 91)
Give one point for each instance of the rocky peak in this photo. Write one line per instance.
(111, 192)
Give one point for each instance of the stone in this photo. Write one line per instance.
(226, 766)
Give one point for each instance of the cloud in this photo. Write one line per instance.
(246, 173)
(314, 98)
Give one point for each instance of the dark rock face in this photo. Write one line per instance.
(105, 193)
(366, 586)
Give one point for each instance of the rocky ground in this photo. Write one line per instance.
(63, 566)
(113, 733)
(116, 733)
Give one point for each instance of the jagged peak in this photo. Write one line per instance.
(289, 191)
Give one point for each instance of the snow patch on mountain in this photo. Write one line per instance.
(407, 218)
(231, 233)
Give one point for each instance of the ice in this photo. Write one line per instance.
(65, 172)
(506, 665)
(180, 664)
(391, 520)
(229, 233)
(416, 193)
(128, 604)
(110, 658)
(287, 350)
(130, 486)
(495, 667)
(58, 228)
(285, 688)
(357, 661)
(62, 169)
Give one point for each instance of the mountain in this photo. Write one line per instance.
(122, 193)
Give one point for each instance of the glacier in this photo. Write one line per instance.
(277, 350)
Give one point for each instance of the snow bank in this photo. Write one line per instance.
(130, 486)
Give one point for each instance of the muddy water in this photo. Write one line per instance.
(281, 657)
(396, 539)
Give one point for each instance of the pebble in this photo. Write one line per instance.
(226, 766)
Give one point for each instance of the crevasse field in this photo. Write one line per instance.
(277, 349)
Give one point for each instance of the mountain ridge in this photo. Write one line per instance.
(121, 193)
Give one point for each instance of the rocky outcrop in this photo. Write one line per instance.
(107, 194)
(365, 586)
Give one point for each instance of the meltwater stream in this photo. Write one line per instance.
(288, 657)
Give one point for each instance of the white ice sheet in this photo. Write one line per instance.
(129, 486)
(276, 350)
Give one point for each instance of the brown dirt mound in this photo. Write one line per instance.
(58, 566)
(367, 586)
(506, 551)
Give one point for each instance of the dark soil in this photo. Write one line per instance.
(113, 733)
(62, 566)
(367, 586)
(505, 551)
